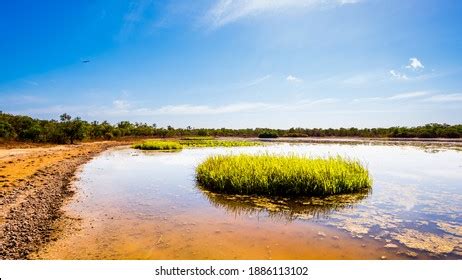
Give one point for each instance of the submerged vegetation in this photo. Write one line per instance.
(191, 142)
(282, 175)
(68, 130)
(158, 145)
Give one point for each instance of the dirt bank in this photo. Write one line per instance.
(34, 183)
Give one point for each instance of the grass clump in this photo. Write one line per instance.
(199, 143)
(158, 145)
(197, 138)
(282, 175)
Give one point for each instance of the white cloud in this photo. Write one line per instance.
(398, 75)
(228, 11)
(121, 104)
(455, 97)
(188, 109)
(409, 72)
(367, 99)
(121, 108)
(396, 97)
(294, 79)
(420, 96)
(408, 95)
(356, 80)
(415, 64)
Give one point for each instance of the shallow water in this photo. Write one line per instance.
(146, 205)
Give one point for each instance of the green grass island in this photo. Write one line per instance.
(191, 142)
(290, 175)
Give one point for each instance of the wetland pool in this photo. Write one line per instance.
(132, 204)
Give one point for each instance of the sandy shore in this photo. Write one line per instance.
(34, 183)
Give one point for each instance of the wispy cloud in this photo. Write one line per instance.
(121, 104)
(257, 81)
(23, 99)
(124, 108)
(31, 82)
(396, 97)
(306, 103)
(415, 64)
(188, 109)
(134, 16)
(293, 79)
(121, 108)
(397, 75)
(357, 80)
(58, 109)
(416, 96)
(228, 11)
(440, 98)
(408, 95)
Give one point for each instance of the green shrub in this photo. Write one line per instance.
(6, 130)
(282, 175)
(268, 134)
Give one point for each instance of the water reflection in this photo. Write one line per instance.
(283, 208)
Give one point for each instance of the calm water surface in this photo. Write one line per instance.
(145, 205)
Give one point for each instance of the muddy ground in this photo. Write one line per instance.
(34, 184)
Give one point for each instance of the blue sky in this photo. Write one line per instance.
(234, 63)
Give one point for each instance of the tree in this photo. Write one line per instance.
(65, 117)
(72, 129)
(6, 130)
(33, 132)
(125, 128)
(202, 132)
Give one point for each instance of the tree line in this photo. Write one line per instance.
(70, 130)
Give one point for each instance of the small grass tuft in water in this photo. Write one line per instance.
(191, 142)
(282, 175)
(197, 138)
(217, 143)
(158, 145)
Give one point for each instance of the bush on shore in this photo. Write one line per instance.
(268, 134)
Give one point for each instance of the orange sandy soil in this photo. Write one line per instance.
(17, 164)
(34, 183)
